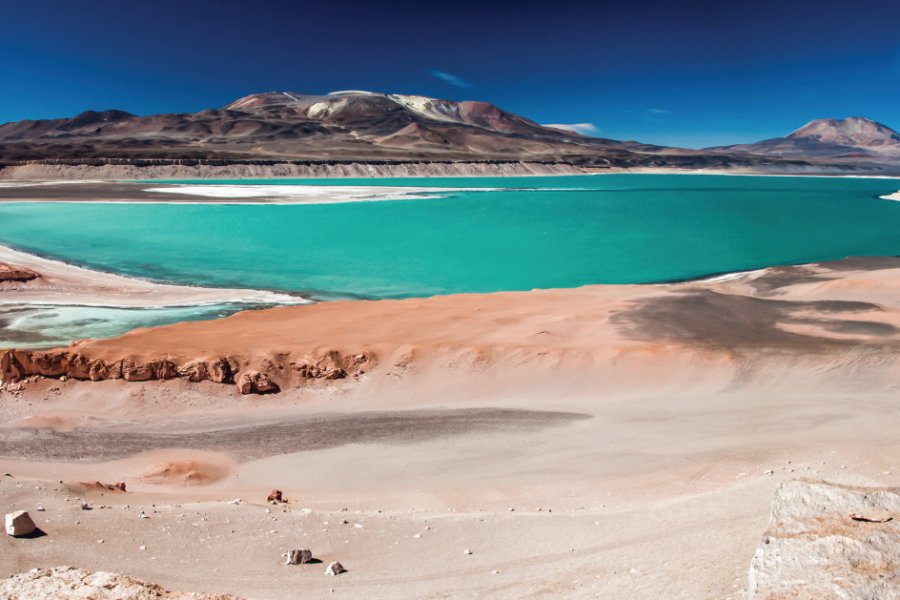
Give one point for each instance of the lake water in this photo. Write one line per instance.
(474, 234)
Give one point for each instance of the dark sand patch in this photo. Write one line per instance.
(316, 432)
(708, 318)
(91, 192)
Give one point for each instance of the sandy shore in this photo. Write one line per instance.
(606, 441)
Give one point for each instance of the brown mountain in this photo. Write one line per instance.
(341, 126)
(854, 139)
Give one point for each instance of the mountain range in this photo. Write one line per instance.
(359, 126)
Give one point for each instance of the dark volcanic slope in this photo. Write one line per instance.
(342, 126)
(854, 139)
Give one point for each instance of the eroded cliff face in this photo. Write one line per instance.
(258, 375)
(176, 170)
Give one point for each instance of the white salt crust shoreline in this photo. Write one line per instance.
(62, 284)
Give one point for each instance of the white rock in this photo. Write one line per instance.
(335, 568)
(467, 552)
(19, 523)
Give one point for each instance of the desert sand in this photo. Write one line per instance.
(600, 442)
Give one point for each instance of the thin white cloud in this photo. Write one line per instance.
(451, 79)
(582, 128)
(658, 111)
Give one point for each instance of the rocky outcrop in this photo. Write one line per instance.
(254, 382)
(69, 582)
(14, 274)
(829, 541)
(265, 376)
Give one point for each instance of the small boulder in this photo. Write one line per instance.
(19, 523)
(275, 496)
(335, 568)
(300, 556)
(254, 382)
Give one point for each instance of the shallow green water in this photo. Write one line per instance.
(537, 232)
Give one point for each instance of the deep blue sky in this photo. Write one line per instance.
(674, 72)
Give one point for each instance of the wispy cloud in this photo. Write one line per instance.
(582, 128)
(658, 111)
(451, 79)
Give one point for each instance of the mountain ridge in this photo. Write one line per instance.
(360, 126)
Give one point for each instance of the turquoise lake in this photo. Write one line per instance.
(536, 232)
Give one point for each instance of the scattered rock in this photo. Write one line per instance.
(813, 550)
(19, 523)
(300, 556)
(86, 506)
(335, 568)
(275, 496)
(467, 552)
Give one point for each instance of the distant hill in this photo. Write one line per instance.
(853, 139)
